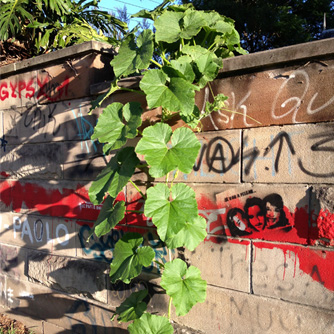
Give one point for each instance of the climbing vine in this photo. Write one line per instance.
(182, 56)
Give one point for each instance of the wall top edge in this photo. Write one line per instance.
(56, 56)
(250, 62)
(276, 57)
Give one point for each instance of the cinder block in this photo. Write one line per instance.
(285, 95)
(18, 90)
(101, 249)
(83, 160)
(297, 274)
(61, 310)
(218, 159)
(322, 219)
(12, 261)
(73, 78)
(35, 123)
(68, 199)
(52, 235)
(226, 311)
(290, 154)
(32, 162)
(70, 275)
(223, 263)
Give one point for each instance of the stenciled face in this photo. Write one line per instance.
(256, 217)
(239, 221)
(272, 214)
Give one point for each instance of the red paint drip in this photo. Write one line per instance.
(318, 264)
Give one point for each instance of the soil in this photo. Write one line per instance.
(8, 325)
(12, 51)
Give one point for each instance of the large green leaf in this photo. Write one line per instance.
(169, 89)
(171, 26)
(207, 63)
(151, 324)
(110, 215)
(184, 285)
(162, 159)
(184, 65)
(170, 210)
(133, 307)
(111, 128)
(129, 258)
(190, 236)
(134, 55)
(114, 176)
(168, 27)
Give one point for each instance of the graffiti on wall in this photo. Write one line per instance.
(295, 99)
(34, 87)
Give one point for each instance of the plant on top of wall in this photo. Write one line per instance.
(183, 56)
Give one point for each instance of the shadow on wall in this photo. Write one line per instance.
(77, 316)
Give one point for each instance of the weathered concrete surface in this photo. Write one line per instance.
(292, 95)
(227, 311)
(52, 235)
(32, 162)
(224, 264)
(70, 275)
(66, 81)
(297, 274)
(61, 310)
(35, 123)
(12, 261)
(289, 154)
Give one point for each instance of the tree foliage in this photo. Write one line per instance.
(267, 24)
(44, 25)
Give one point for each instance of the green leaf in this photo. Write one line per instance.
(154, 146)
(194, 118)
(134, 55)
(129, 258)
(114, 176)
(207, 63)
(171, 26)
(151, 324)
(192, 23)
(133, 307)
(110, 215)
(168, 27)
(185, 286)
(184, 65)
(191, 235)
(111, 128)
(170, 210)
(171, 91)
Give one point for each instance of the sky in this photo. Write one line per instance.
(133, 6)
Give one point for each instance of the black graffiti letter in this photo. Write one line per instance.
(280, 138)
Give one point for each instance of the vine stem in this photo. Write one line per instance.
(132, 90)
(170, 298)
(140, 192)
(156, 63)
(170, 308)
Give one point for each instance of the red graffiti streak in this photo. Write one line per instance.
(65, 202)
(325, 224)
(318, 264)
(4, 174)
(47, 88)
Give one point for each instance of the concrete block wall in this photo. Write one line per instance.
(269, 265)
